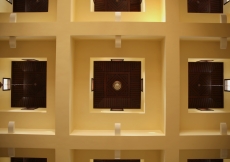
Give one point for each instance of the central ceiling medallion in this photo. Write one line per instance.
(117, 85)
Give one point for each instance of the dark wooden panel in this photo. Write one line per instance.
(36, 5)
(126, 72)
(33, 75)
(19, 5)
(116, 160)
(99, 5)
(117, 5)
(216, 6)
(20, 159)
(198, 6)
(206, 85)
(205, 6)
(205, 160)
(30, 5)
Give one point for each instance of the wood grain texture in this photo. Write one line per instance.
(116, 160)
(205, 160)
(106, 73)
(30, 5)
(205, 6)
(33, 75)
(19, 159)
(205, 85)
(117, 5)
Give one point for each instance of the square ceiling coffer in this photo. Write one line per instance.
(117, 84)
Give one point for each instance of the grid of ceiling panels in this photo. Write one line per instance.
(185, 135)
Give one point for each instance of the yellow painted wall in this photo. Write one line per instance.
(29, 49)
(148, 49)
(5, 6)
(208, 50)
(49, 16)
(146, 155)
(81, 12)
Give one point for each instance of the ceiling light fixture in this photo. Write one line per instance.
(227, 85)
(6, 84)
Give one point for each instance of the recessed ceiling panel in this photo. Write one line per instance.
(117, 84)
(28, 84)
(206, 85)
(117, 160)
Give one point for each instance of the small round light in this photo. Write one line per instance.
(117, 85)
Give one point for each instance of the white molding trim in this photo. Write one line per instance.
(117, 129)
(223, 43)
(13, 17)
(11, 152)
(11, 127)
(117, 154)
(117, 41)
(223, 129)
(223, 153)
(12, 42)
(117, 16)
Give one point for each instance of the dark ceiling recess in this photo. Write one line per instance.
(117, 5)
(117, 84)
(117, 160)
(205, 85)
(29, 84)
(21, 159)
(30, 5)
(205, 160)
(205, 6)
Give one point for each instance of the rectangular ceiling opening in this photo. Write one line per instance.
(117, 5)
(206, 85)
(30, 5)
(205, 6)
(117, 84)
(28, 84)
(116, 160)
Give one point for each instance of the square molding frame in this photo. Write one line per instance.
(103, 110)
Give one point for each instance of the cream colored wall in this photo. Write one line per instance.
(146, 155)
(49, 16)
(199, 49)
(29, 49)
(151, 51)
(199, 17)
(29, 152)
(153, 13)
(200, 154)
(5, 6)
